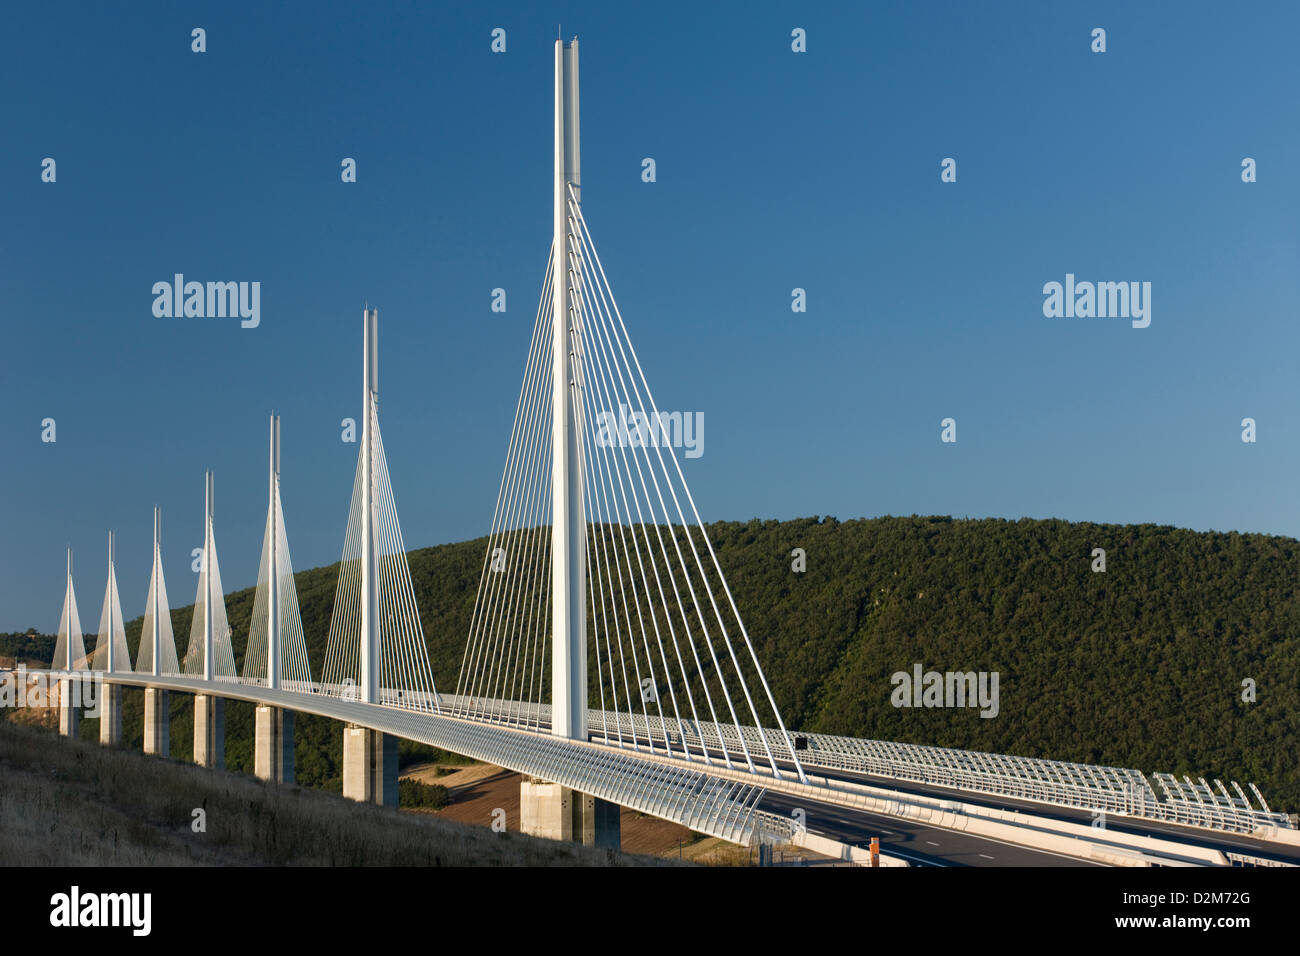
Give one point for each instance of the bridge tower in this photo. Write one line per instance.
(273, 726)
(370, 643)
(272, 580)
(64, 661)
(209, 709)
(549, 809)
(568, 517)
(111, 655)
(154, 637)
(110, 651)
(369, 756)
(157, 716)
(69, 655)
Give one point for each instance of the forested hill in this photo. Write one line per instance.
(1141, 665)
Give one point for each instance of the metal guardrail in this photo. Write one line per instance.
(1080, 786)
(1246, 859)
(772, 827)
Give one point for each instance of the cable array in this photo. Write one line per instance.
(70, 647)
(223, 658)
(506, 657)
(112, 629)
(665, 638)
(167, 663)
(295, 671)
(405, 676)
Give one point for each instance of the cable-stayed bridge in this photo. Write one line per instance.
(607, 660)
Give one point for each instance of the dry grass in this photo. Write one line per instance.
(450, 776)
(70, 803)
(39, 716)
(714, 852)
(479, 789)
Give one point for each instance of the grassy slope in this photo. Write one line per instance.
(70, 803)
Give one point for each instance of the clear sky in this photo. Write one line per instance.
(775, 170)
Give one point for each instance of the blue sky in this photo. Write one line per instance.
(775, 170)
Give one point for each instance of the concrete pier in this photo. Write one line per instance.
(69, 706)
(110, 715)
(157, 723)
(273, 744)
(559, 813)
(209, 731)
(369, 766)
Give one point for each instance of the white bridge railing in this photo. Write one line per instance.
(1081, 786)
(1116, 790)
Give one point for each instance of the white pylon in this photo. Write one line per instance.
(376, 650)
(112, 613)
(370, 641)
(273, 579)
(209, 553)
(276, 654)
(157, 652)
(152, 615)
(155, 631)
(568, 515)
(111, 653)
(209, 655)
(70, 648)
(65, 625)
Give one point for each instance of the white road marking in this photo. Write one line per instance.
(922, 860)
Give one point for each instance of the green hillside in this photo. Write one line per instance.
(1139, 666)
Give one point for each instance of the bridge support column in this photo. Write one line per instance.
(69, 710)
(209, 731)
(110, 715)
(157, 722)
(273, 744)
(560, 813)
(369, 766)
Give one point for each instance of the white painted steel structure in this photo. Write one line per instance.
(630, 563)
(276, 655)
(376, 650)
(683, 794)
(1054, 782)
(157, 651)
(594, 535)
(112, 655)
(271, 549)
(568, 527)
(210, 654)
(70, 647)
(369, 572)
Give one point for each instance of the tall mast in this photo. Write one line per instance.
(273, 576)
(370, 643)
(156, 635)
(67, 616)
(568, 522)
(112, 623)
